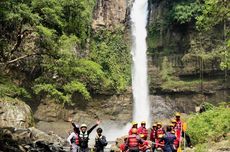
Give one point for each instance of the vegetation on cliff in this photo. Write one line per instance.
(49, 46)
(194, 37)
(210, 129)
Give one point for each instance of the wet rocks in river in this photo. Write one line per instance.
(22, 140)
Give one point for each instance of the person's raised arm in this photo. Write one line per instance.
(91, 129)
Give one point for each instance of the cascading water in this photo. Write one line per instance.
(139, 15)
(141, 111)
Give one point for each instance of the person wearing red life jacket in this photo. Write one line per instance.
(142, 130)
(178, 127)
(134, 125)
(153, 136)
(122, 146)
(145, 146)
(180, 131)
(159, 134)
(133, 141)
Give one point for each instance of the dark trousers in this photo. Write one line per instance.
(133, 149)
(84, 149)
(187, 138)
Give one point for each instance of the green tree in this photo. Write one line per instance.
(109, 49)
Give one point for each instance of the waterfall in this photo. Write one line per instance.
(141, 108)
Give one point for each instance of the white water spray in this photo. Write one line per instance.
(139, 15)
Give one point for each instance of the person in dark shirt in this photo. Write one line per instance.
(100, 141)
(168, 139)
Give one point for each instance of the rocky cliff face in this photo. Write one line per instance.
(110, 13)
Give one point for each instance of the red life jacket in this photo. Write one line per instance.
(178, 125)
(178, 129)
(133, 141)
(142, 130)
(143, 147)
(76, 139)
(153, 135)
(160, 132)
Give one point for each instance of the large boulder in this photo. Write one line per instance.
(31, 139)
(15, 113)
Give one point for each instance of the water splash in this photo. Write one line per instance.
(139, 15)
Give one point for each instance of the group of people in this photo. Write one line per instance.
(167, 139)
(79, 138)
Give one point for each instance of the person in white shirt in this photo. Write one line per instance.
(73, 139)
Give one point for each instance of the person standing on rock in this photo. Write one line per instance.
(100, 141)
(73, 139)
(84, 136)
(142, 130)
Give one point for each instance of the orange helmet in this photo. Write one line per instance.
(134, 130)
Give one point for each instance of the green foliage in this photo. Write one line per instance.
(67, 74)
(8, 88)
(210, 125)
(225, 54)
(186, 12)
(109, 49)
(45, 40)
(214, 12)
(167, 70)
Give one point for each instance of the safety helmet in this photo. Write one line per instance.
(171, 125)
(134, 123)
(143, 122)
(134, 130)
(160, 136)
(142, 135)
(83, 125)
(159, 124)
(154, 125)
(173, 120)
(177, 114)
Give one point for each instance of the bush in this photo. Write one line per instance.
(210, 125)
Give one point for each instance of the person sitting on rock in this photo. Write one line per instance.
(134, 125)
(122, 146)
(142, 130)
(100, 141)
(84, 136)
(145, 146)
(73, 139)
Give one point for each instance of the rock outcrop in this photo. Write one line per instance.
(15, 113)
(110, 13)
(31, 139)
